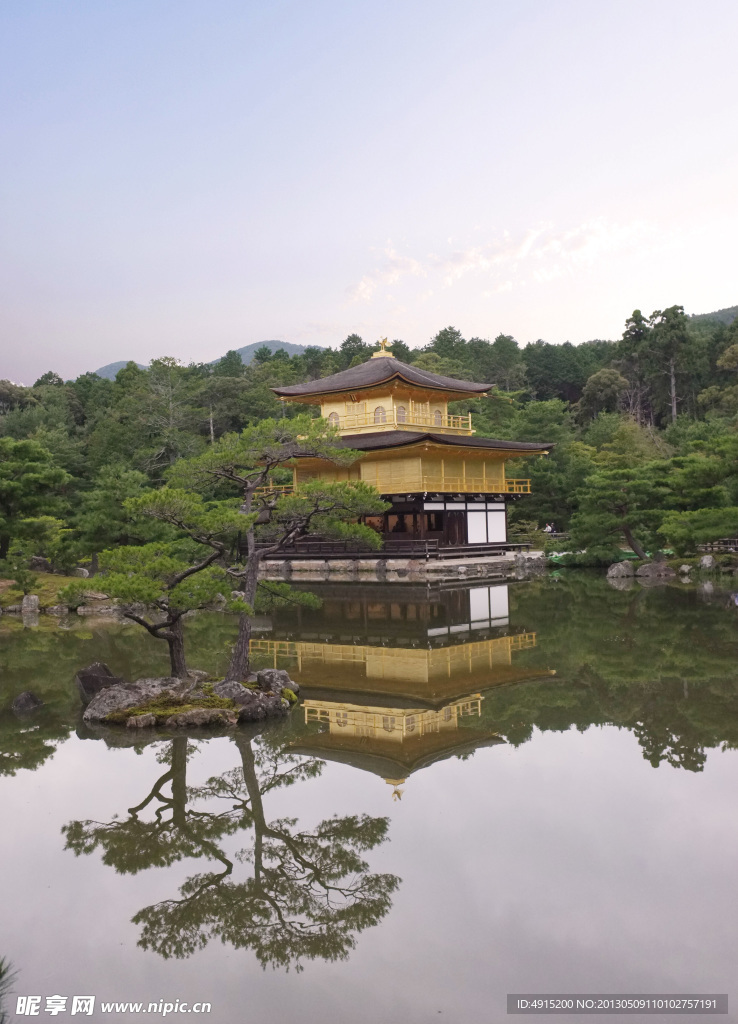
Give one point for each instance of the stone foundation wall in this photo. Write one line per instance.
(367, 570)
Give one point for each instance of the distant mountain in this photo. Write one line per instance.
(246, 353)
(724, 316)
(109, 371)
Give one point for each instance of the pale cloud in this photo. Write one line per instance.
(540, 254)
(394, 267)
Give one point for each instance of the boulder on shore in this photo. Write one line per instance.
(653, 569)
(684, 569)
(98, 609)
(619, 570)
(30, 604)
(707, 562)
(26, 702)
(96, 677)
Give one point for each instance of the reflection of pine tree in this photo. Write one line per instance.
(134, 843)
(310, 891)
(27, 742)
(7, 975)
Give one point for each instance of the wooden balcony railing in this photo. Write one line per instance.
(273, 491)
(472, 484)
(429, 482)
(356, 421)
(357, 653)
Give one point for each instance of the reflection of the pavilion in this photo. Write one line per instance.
(396, 680)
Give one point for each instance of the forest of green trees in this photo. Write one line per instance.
(644, 429)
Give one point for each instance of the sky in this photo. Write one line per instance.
(181, 178)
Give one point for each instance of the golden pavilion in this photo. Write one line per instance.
(446, 486)
(393, 680)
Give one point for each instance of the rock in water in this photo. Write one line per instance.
(26, 702)
(96, 677)
(263, 706)
(266, 702)
(707, 562)
(129, 695)
(30, 604)
(234, 691)
(141, 722)
(275, 680)
(655, 569)
(619, 570)
(200, 717)
(621, 582)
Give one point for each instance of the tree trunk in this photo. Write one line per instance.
(4, 545)
(672, 385)
(179, 781)
(240, 664)
(635, 546)
(248, 765)
(175, 639)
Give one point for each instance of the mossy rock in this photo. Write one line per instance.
(165, 706)
(289, 695)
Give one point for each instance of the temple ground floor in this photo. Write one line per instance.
(426, 526)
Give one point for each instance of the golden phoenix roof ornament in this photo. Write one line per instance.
(383, 350)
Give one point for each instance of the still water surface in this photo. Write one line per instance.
(485, 790)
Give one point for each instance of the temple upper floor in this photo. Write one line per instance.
(395, 409)
(385, 394)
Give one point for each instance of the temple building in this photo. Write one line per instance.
(445, 485)
(394, 681)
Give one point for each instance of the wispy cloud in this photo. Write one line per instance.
(393, 268)
(541, 254)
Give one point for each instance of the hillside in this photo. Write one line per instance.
(723, 316)
(246, 353)
(109, 371)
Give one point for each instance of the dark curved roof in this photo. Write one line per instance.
(379, 371)
(400, 438)
(368, 756)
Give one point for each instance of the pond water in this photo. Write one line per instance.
(523, 788)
